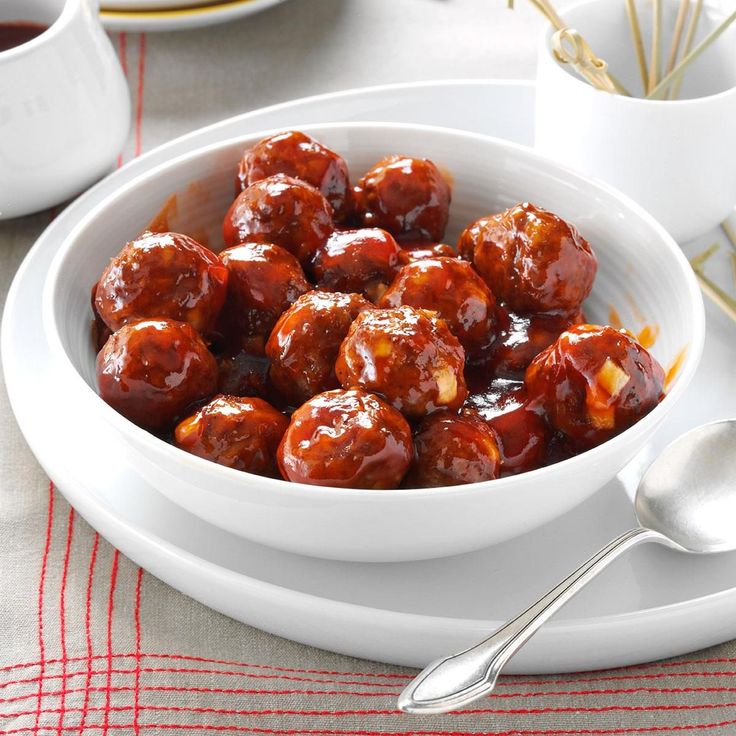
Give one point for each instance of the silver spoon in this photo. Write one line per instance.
(686, 500)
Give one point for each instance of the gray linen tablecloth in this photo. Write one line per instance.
(91, 643)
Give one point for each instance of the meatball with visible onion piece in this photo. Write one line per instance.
(238, 432)
(532, 260)
(408, 356)
(346, 439)
(454, 290)
(304, 344)
(300, 156)
(264, 281)
(594, 382)
(409, 197)
(152, 370)
(282, 211)
(452, 449)
(162, 275)
(362, 261)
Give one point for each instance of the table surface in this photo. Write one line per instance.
(88, 641)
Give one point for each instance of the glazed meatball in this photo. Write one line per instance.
(420, 249)
(241, 433)
(454, 290)
(304, 344)
(283, 211)
(594, 382)
(409, 197)
(532, 260)
(521, 337)
(453, 449)
(300, 156)
(362, 261)
(347, 439)
(152, 370)
(162, 275)
(407, 355)
(265, 280)
(521, 430)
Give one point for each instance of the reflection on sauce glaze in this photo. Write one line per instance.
(674, 369)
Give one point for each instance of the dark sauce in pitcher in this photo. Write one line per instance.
(18, 32)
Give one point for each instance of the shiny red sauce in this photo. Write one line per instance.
(18, 32)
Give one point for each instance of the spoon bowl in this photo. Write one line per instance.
(689, 493)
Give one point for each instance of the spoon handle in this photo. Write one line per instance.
(448, 683)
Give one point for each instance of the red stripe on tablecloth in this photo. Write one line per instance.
(364, 694)
(239, 691)
(41, 586)
(123, 53)
(141, 86)
(384, 712)
(110, 610)
(245, 691)
(618, 678)
(508, 680)
(341, 732)
(200, 671)
(88, 628)
(137, 619)
(62, 615)
(230, 673)
(392, 712)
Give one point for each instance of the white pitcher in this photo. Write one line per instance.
(64, 105)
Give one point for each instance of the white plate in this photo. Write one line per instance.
(652, 604)
(175, 15)
(137, 5)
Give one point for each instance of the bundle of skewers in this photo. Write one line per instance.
(661, 79)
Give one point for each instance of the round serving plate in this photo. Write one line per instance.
(653, 604)
(174, 15)
(141, 5)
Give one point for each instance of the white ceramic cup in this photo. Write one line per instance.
(64, 106)
(677, 158)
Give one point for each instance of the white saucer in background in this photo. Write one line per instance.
(174, 15)
(652, 604)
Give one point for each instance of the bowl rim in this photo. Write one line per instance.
(140, 437)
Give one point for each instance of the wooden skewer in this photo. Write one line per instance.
(655, 63)
(730, 233)
(733, 265)
(717, 295)
(678, 71)
(689, 38)
(641, 56)
(582, 59)
(709, 288)
(677, 35)
(698, 261)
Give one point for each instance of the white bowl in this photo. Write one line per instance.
(642, 274)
